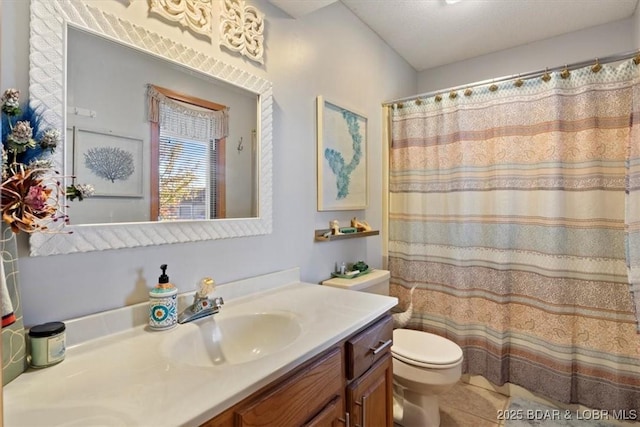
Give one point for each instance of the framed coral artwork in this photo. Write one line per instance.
(342, 158)
(111, 163)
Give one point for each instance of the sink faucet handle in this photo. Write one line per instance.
(207, 285)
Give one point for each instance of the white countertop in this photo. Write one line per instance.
(124, 378)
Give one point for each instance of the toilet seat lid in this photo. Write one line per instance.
(425, 348)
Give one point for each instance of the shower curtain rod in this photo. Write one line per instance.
(525, 76)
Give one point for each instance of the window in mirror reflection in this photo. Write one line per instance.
(183, 191)
(188, 138)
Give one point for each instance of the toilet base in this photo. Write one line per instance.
(415, 410)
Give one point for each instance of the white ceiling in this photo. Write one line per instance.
(430, 33)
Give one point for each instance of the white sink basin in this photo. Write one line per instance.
(231, 339)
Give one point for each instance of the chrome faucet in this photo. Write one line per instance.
(202, 306)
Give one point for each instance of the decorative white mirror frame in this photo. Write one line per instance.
(192, 14)
(49, 20)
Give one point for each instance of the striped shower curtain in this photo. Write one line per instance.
(515, 208)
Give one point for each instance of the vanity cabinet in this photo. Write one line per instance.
(349, 385)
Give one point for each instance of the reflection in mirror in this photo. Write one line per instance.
(188, 140)
(173, 167)
(123, 125)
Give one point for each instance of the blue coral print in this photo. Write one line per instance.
(336, 160)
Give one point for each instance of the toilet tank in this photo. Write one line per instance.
(376, 282)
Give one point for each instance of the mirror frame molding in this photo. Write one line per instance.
(47, 90)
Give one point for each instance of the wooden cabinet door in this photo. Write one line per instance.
(370, 397)
(331, 416)
(299, 398)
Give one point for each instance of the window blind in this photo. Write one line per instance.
(187, 158)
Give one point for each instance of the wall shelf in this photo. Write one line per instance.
(320, 235)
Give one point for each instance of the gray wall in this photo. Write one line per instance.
(591, 43)
(329, 52)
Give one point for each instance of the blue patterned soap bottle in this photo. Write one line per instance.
(163, 303)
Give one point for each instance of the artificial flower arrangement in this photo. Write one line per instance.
(29, 203)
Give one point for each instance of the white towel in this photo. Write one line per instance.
(8, 316)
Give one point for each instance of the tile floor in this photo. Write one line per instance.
(466, 405)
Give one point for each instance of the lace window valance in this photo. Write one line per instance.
(181, 119)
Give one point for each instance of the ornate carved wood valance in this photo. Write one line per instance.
(241, 29)
(195, 15)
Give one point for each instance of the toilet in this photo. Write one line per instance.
(425, 365)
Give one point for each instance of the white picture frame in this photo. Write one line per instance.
(342, 139)
(120, 175)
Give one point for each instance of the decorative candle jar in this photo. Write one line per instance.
(47, 344)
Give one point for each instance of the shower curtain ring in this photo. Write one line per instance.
(546, 76)
(518, 82)
(596, 67)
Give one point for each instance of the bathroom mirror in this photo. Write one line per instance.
(53, 25)
(178, 170)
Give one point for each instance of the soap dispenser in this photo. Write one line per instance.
(163, 303)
